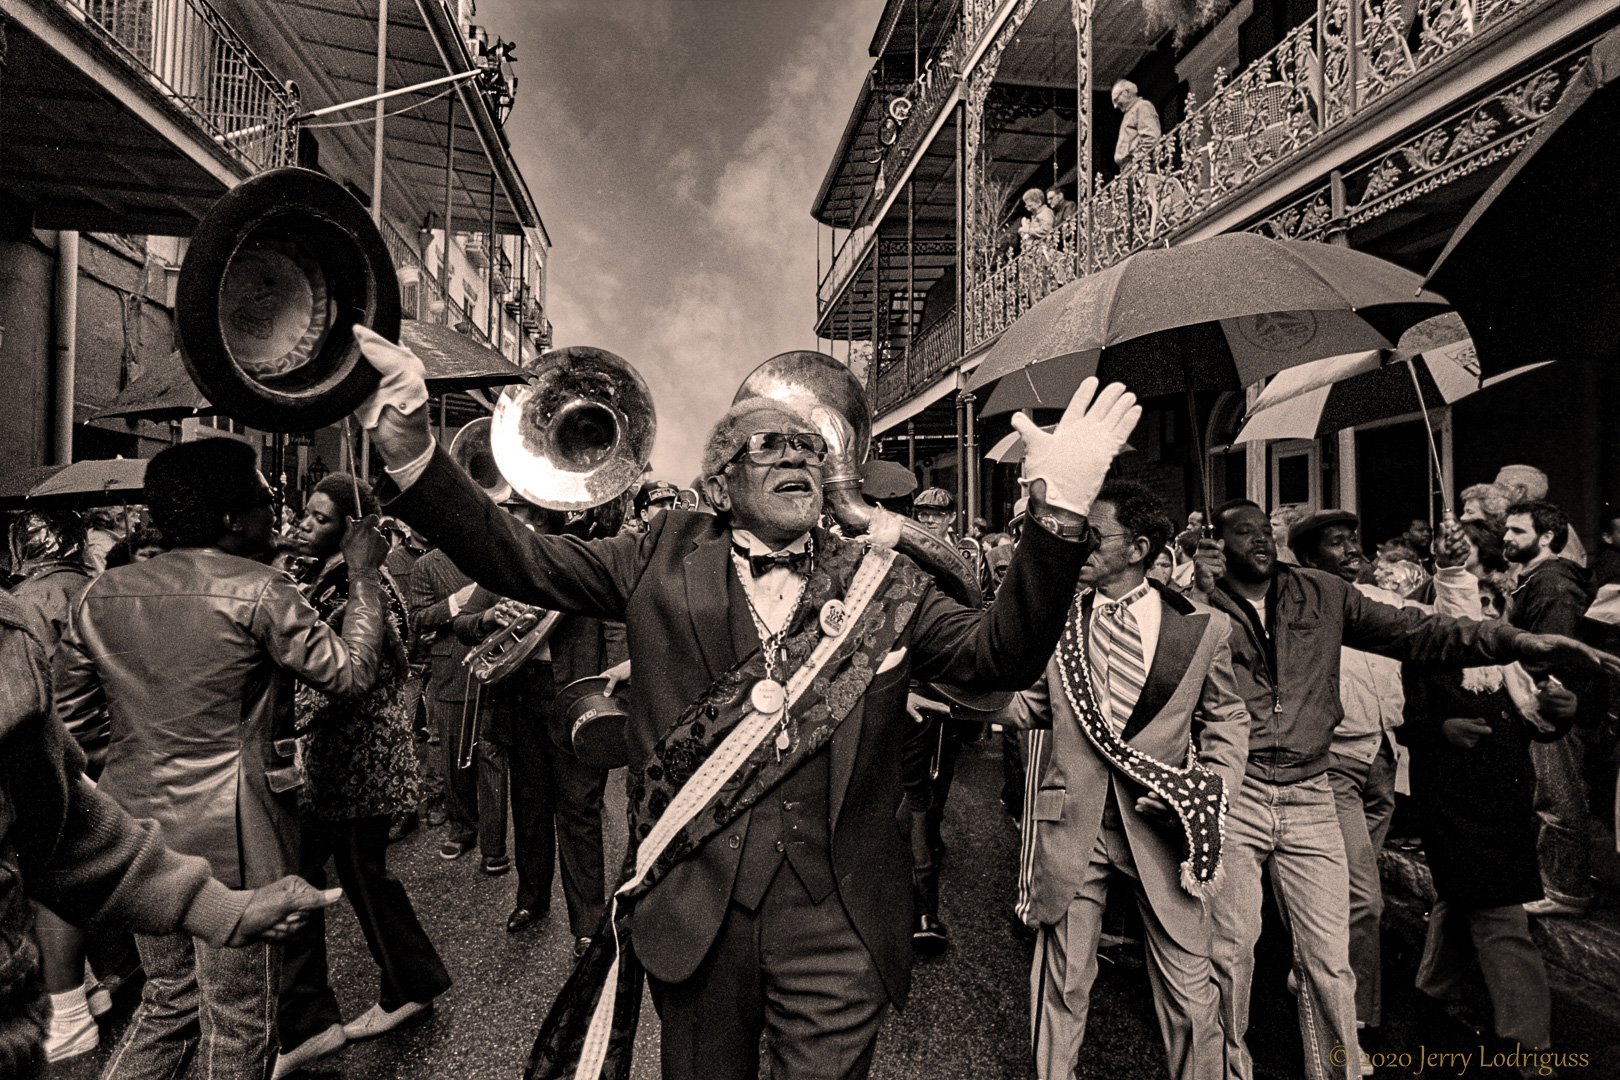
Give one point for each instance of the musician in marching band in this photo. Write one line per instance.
(770, 891)
(556, 798)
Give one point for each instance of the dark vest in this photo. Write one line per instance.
(791, 822)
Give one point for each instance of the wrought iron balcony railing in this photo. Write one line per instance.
(1319, 77)
(437, 306)
(187, 52)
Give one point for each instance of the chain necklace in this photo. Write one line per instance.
(769, 696)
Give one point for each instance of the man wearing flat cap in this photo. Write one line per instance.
(1361, 758)
(767, 890)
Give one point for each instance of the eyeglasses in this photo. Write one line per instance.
(770, 447)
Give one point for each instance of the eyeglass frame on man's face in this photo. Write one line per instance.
(808, 443)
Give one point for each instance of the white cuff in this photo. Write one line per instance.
(410, 472)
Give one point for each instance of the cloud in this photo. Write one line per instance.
(675, 148)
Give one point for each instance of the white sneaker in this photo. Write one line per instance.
(376, 1020)
(309, 1051)
(71, 1035)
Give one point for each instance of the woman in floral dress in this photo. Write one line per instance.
(360, 762)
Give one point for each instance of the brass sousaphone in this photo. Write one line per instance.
(576, 436)
(819, 388)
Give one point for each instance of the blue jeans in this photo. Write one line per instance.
(1294, 830)
(1365, 794)
(218, 1003)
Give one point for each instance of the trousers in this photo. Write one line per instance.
(1515, 974)
(1564, 805)
(217, 1005)
(408, 965)
(1364, 796)
(792, 970)
(1292, 832)
(1065, 967)
(556, 805)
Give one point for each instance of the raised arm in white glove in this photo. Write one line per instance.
(1074, 458)
(396, 413)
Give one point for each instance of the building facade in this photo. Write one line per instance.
(1370, 123)
(121, 121)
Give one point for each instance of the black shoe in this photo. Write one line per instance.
(522, 918)
(497, 866)
(402, 826)
(930, 938)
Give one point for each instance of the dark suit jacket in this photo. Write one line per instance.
(670, 586)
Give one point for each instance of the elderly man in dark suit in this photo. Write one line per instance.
(1162, 666)
(784, 908)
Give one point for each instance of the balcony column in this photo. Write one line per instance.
(377, 134)
(449, 205)
(911, 278)
(877, 337)
(911, 446)
(970, 508)
(961, 458)
(1081, 10)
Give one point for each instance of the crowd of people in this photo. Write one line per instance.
(1189, 713)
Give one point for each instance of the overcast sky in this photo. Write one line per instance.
(674, 148)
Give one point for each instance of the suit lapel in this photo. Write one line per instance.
(1179, 635)
(707, 594)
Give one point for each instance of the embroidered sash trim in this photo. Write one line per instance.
(1194, 792)
(708, 769)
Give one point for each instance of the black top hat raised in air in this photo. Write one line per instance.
(278, 273)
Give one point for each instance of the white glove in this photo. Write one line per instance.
(461, 598)
(396, 413)
(404, 379)
(1074, 458)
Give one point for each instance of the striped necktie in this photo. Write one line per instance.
(1120, 666)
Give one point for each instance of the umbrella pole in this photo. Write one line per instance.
(354, 479)
(1198, 451)
(1434, 453)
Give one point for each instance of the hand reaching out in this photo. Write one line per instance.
(276, 911)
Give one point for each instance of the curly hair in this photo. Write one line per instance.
(340, 487)
(1488, 542)
(1546, 518)
(1493, 500)
(190, 488)
(1140, 513)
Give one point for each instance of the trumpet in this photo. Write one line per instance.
(509, 648)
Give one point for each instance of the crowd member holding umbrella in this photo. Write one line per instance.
(48, 549)
(1283, 820)
(1471, 732)
(360, 757)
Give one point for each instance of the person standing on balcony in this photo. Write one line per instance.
(1038, 223)
(1063, 211)
(1140, 128)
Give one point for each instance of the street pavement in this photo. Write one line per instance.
(967, 1019)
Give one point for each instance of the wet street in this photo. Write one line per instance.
(968, 1012)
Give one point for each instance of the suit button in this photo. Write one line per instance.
(713, 712)
(780, 846)
(734, 842)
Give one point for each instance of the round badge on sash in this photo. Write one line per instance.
(833, 617)
(768, 697)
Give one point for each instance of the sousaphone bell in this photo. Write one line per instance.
(579, 434)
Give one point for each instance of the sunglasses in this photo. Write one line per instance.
(770, 447)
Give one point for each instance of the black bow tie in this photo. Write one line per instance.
(796, 561)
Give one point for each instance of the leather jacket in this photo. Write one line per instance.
(194, 653)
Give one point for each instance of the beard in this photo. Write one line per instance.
(1522, 555)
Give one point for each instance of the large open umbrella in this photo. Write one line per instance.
(83, 484)
(1342, 392)
(1535, 266)
(1215, 314)
(453, 361)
